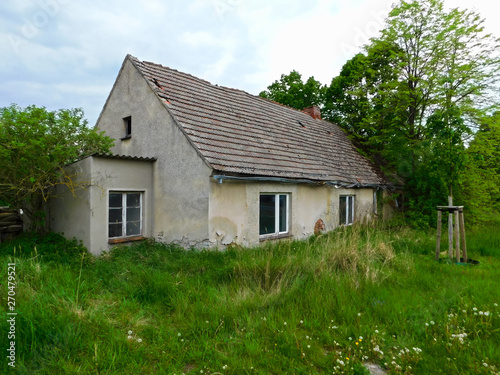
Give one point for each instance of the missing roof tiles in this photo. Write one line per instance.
(301, 124)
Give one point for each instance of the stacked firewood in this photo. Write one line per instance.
(11, 224)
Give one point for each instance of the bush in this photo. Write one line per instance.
(50, 247)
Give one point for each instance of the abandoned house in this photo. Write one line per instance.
(202, 165)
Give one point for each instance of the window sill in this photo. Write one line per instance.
(268, 237)
(125, 239)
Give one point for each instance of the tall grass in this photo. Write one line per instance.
(325, 305)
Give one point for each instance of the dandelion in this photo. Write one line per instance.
(129, 337)
(308, 346)
(129, 332)
(474, 309)
(376, 331)
(139, 340)
(359, 314)
(350, 338)
(301, 322)
(179, 334)
(284, 323)
(432, 322)
(357, 343)
(427, 324)
(224, 367)
(496, 305)
(481, 313)
(485, 364)
(206, 321)
(486, 313)
(360, 338)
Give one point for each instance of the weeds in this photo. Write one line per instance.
(326, 305)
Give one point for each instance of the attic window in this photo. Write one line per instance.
(127, 124)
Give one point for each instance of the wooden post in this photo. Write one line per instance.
(462, 233)
(457, 237)
(450, 229)
(438, 241)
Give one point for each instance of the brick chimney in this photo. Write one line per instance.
(313, 111)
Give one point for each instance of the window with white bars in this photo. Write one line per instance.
(346, 209)
(273, 214)
(125, 214)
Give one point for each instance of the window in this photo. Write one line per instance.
(125, 214)
(127, 123)
(273, 214)
(346, 209)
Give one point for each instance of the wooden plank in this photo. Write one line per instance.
(462, 233)
(125, 239)
(450, 229)
(457, 237)
(438, 237)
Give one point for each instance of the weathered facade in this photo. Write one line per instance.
(207, 166)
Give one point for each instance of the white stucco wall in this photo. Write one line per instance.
(234, 209)
(84, 214)
(70, 214)
(181, 177)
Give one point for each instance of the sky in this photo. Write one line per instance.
(67, 53)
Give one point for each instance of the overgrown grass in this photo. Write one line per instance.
(325, 305)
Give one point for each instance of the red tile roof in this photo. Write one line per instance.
(240, 133)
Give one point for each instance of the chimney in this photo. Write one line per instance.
(313, 111)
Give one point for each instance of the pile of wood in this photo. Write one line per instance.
(11, 224)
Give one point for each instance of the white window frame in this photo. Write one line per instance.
(350, 205)
(124, 212)
(277, 232)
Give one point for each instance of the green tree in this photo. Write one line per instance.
(35, 144)
(290, 90)
(412, 98)
(480, 179)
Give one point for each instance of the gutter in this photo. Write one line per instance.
(335, 184)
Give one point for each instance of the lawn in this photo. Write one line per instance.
(325, 305)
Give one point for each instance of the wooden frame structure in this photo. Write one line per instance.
(456, 230)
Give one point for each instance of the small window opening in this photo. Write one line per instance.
(127, 123)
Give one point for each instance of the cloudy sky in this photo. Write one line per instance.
(67, 53)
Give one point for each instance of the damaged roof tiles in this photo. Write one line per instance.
(240, 133)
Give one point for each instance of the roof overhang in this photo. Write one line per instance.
(220, 178)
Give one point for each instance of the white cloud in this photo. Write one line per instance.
(70, 56)
(200, 38)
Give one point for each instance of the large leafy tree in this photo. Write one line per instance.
(293, 92)
(415, 94)
(35, 144)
